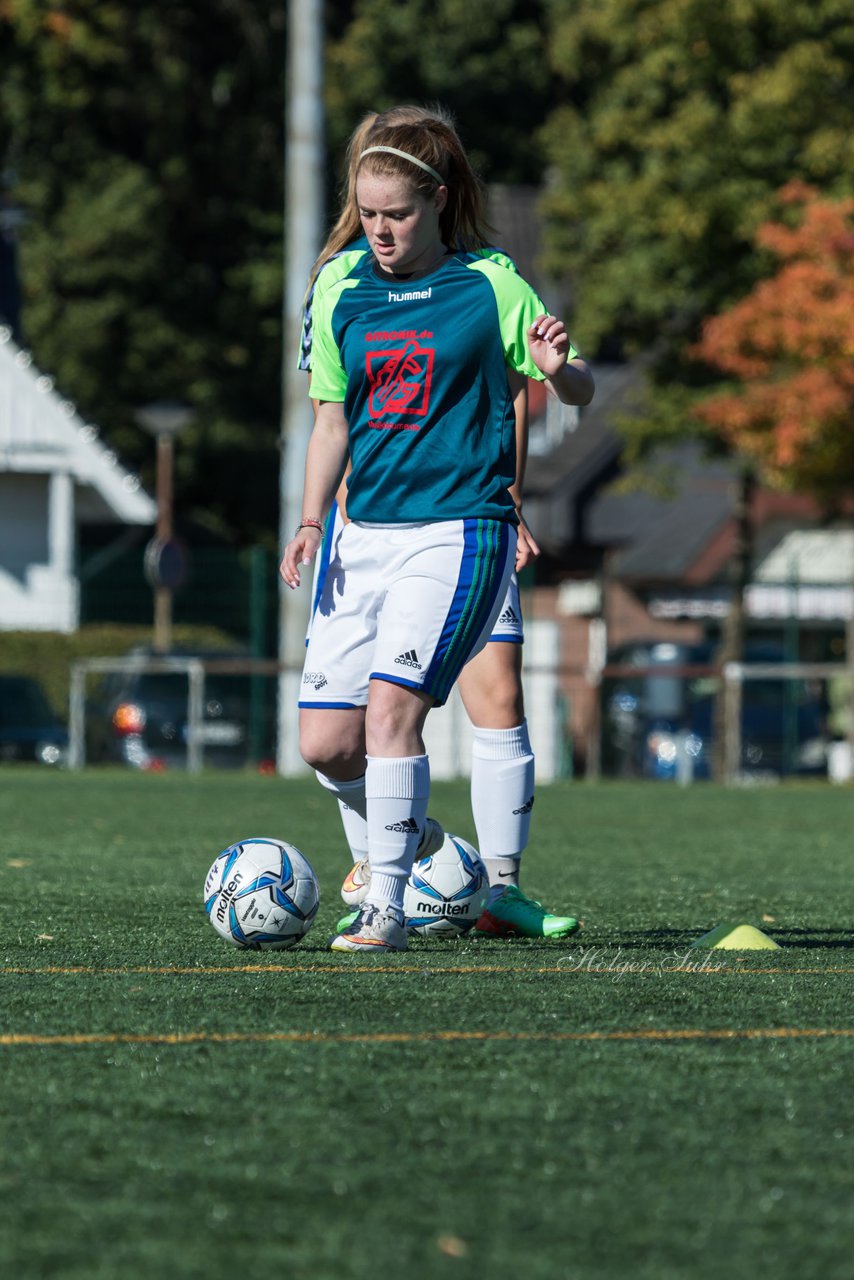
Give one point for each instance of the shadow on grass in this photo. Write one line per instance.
(657, 939)
(812, 938)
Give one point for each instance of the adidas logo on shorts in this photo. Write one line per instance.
(408, 659)
(526, 807)
(508, 616)
(409, 826)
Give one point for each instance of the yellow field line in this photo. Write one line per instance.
(621, 968)
(421, 1037)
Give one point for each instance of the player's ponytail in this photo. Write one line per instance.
(349, 225)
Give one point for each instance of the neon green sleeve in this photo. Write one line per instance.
(333, 270)
(518, 307)
(496, 255)
(328, 378)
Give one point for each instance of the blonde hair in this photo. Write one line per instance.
(429, 134)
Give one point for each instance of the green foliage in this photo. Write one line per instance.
(482, 59)
(144, 142)
(679, 121)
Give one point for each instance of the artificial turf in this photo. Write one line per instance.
(618, 1104)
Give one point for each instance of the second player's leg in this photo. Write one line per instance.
(491, 687)
(502, 778)
(502, 790)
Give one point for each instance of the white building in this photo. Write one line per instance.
(54, 476)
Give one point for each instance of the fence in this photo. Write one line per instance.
(649, 722)
(232, 589)
(145, 724)
(191, 710)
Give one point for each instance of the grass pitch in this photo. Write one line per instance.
(613, 1105)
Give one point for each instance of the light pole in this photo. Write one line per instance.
(165, 559)
(304, 185)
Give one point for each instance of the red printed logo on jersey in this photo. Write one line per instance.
(399, 380)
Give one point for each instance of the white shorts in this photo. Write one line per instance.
(508, 624)
(406, 603)
(508, 627)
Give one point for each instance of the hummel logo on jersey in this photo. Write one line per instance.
(508, 615)
(409, 826)
(526, 807)
(408, 659)
(317, 678)
(411, 295)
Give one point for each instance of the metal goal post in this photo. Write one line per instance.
(195, 669)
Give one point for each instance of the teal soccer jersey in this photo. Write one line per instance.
(421, 369)
(341, 264)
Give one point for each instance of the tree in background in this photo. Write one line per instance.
(485, 60)
(681, 121)
(144, 143)
(790, 346)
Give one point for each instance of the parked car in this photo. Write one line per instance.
(140, 718)
(660, 721)
(29, 727)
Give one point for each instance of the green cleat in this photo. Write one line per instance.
(515, 915)
(345, 921)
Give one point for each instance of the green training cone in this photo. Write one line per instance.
(737, 937)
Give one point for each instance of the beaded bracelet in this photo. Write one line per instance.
(311, 524)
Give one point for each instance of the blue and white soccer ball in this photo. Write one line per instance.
(446, 892)
(261, 894)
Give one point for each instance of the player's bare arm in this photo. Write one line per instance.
(570, 380)
(527, 549)
(326, 459)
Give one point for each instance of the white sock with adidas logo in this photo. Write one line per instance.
(502, 797)
(352, 806)
(397, 791)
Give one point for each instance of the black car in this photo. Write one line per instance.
(141, 717)
(661, 720)
(29, 727)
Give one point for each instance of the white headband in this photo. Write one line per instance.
(404, 155)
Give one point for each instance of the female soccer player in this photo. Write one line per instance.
(409, 357)
(490, 685)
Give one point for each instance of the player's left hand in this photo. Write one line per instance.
(527, 549)
(548, 342)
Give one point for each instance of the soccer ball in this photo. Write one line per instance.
(261, 894)
(446, 892)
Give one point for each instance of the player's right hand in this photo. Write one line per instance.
(301, 549)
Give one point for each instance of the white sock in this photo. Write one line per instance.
(397, 791)
(352, 806)
(502, 797)
(500, 872)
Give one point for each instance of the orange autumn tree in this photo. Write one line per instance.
(788, 348)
